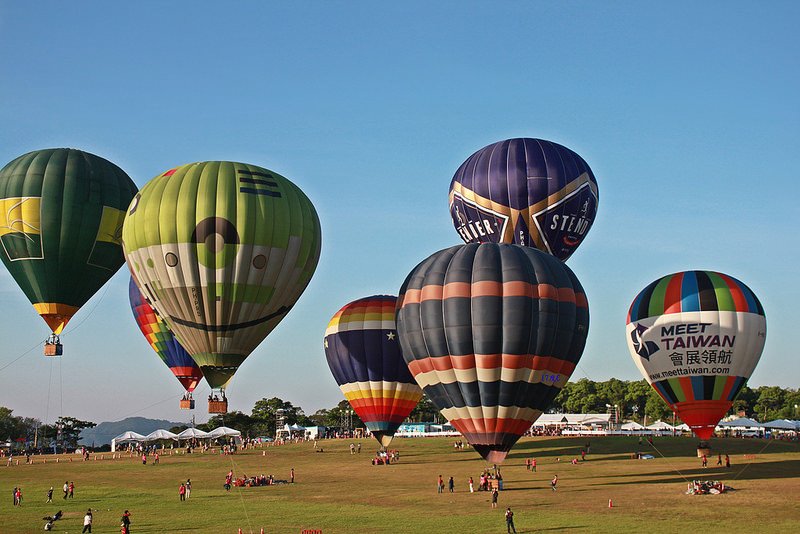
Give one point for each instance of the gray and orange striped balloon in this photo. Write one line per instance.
(492, 332)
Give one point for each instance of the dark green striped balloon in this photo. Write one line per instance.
(61, 215)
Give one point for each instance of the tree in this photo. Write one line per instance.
(770, 401)
(424, 411)
(636, 396)
(70, 430)
(655, 408)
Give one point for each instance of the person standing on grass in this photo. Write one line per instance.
(495, 494)
(533, 464)
(440, 485)
(510, 521)
(66, 489)
(182, 492)
(705, 461)
(14, 494)
(87, 521)
(71, 490)
(50, 494)
(727, 461)
(291, 474)
(188, 487)
(451, 485)
(554, 482)
(471, 486)
(126, 523)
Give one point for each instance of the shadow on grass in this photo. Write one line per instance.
(754, 471)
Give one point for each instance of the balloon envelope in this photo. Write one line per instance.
(364, 356)
(222, 251)
(525, 191)
(492, 332)
(696, 337)
(61, 215)
(162, 340)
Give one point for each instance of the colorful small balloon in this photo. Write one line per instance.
(696, 337)
(364, 356)
(162, 340)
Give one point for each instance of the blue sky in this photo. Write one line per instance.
(688, 114)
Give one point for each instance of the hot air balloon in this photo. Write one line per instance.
(530, 192)
(696, 337)
(62, 212)
(222, 251)
(492, 332)
(162, 341)
(364, 355)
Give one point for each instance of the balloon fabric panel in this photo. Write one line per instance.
(492, 332)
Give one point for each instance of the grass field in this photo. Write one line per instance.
(337, 492)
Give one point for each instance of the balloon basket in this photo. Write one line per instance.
(53, 349)
(187, 404)
(218, 406)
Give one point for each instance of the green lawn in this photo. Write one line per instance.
(337, 492)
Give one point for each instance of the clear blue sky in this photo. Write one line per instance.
(687, 112)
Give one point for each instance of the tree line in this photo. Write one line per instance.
(632, 399)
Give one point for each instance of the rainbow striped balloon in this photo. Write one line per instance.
(162, 340)
(492, 332)
(363, 353)
(696, 337)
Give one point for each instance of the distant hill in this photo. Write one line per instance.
(103, 433)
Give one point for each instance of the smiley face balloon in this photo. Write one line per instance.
(222, 250)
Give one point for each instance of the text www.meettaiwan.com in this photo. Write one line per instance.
(691, 371)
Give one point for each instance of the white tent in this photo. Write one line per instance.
(193, 433)
(742, 422)
(632, 426)
(160, 434)
(130, 435)
(223, 431)
(783, 424)
(683, 427)
(661, 425)
(126, 437)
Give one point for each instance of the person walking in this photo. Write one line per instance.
(510, 521)
(719, 459)
(17, 496)
(126, 522)
(451, 485)
(182, 492)
(471, 486)
(705, 461)
(554, 482)
(727, 461)
(495, 494)
(50, 494)
(533, 464)
(66, 489)
(87, 521)
(71, 489)
(440, 485)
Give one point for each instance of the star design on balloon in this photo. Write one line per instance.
(326, 342)
(390, 336)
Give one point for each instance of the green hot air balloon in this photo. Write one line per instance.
(61, 215)
(223, 250)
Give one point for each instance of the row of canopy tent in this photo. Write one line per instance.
(658, 426)
(777, 424)
(189, 433)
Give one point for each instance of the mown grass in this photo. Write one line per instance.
(337, 492)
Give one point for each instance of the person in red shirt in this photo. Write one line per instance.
(182, 492)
